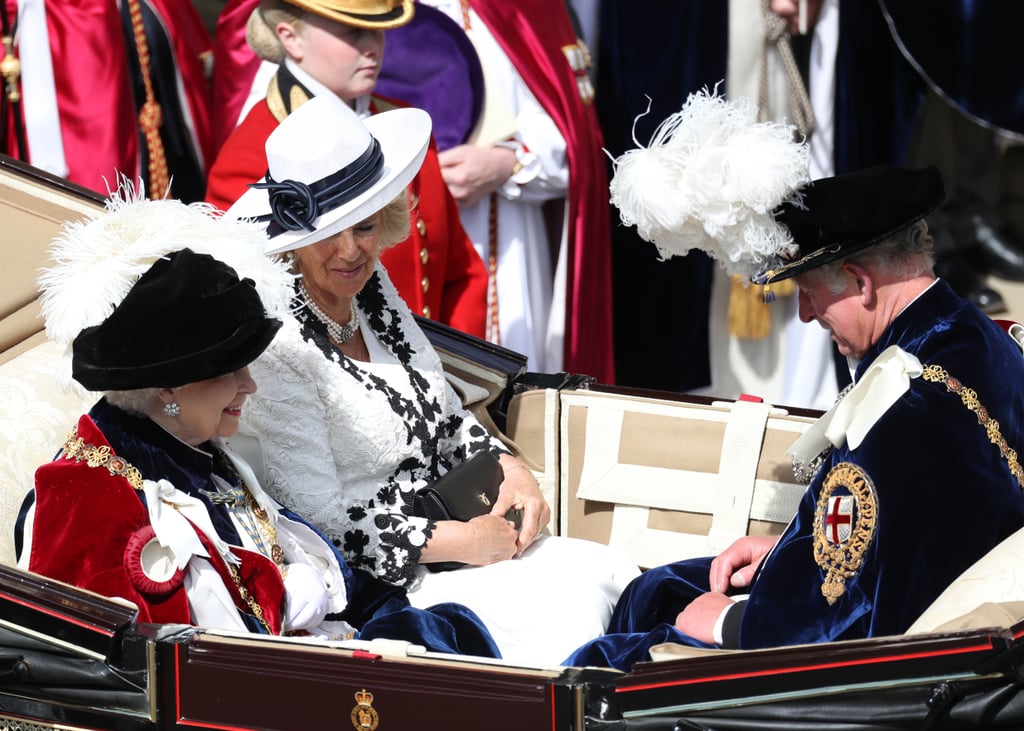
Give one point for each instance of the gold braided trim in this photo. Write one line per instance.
(842, 561)
(969, 397)
(75, 448)
(151, 114)
(249, 599)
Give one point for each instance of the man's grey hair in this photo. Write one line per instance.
(908, 253)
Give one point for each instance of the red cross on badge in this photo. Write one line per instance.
(578, 56)
(839, 519)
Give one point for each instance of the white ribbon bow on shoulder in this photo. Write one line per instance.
(850, 420)
(168, 509)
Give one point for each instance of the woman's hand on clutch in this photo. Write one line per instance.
(492, 539)
(520, 491)
(484, 539)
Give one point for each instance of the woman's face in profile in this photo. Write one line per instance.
(210, 408)
(335, 269)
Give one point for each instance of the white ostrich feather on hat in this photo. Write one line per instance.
(98, 260)
(711, 179)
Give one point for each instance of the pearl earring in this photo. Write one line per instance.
(172, 409)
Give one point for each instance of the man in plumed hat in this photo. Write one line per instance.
(913, 475)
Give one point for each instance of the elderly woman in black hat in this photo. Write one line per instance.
(147, 500)
(355, 413)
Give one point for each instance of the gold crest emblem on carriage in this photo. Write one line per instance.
(364, 715)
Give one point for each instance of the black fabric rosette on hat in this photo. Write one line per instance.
(188, 318)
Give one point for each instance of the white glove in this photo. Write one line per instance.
(305, 597)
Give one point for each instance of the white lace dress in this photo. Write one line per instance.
(347, 443)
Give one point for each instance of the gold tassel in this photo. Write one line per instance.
(749, 317)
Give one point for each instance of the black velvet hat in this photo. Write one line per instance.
(847, 213)
(187, 318)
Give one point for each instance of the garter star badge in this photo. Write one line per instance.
(845, 520)
(364, 715)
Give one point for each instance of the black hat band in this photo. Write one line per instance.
(295, 205)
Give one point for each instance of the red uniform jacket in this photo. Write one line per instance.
(436, 270)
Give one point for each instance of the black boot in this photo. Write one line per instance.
(962, 270)
(979, 228)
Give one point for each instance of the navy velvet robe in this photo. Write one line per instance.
(945, 496)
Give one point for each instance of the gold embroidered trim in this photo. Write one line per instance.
(248, 598)
(75, 448)
(842, 561)
(969, 398)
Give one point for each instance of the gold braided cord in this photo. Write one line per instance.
(969, 398)
(493, 323)
(151, 115)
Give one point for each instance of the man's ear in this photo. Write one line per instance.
(863, 280)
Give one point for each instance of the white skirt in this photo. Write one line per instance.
(540, 607)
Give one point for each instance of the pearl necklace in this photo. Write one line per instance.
(340, 333)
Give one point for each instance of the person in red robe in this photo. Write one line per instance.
(97, 89)
(540, 40)
(539, 218)
(436, 270)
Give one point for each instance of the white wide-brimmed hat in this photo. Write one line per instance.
(329, 170)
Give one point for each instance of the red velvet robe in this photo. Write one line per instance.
(85, 520)
(97, 112)
(533, 33)
(436, 270)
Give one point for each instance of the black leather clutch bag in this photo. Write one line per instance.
(466, 491)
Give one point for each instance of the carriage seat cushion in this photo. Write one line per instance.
(996, 578)
(36, 416)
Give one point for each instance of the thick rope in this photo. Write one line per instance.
(799, 102)
(151, 115)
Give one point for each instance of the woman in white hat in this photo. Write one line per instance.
(355, 414)
(335, 48)
(149, 500)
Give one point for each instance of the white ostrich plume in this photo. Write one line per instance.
(98, 260)
(711, 179)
